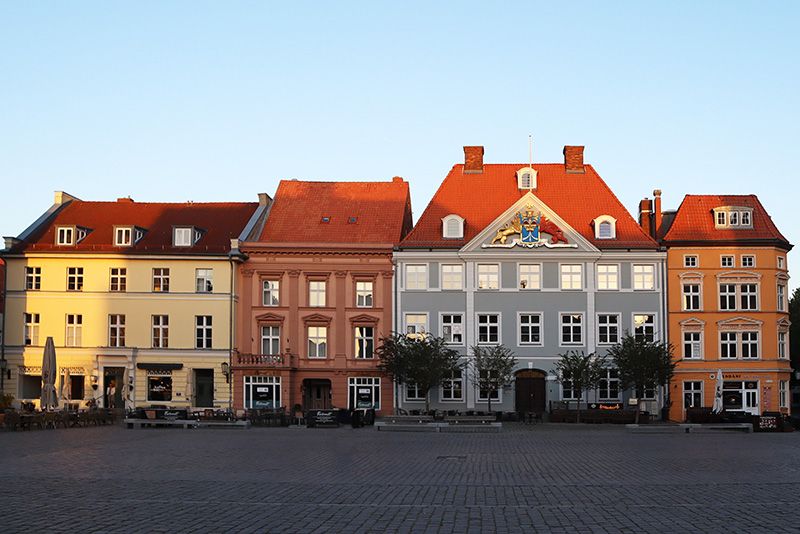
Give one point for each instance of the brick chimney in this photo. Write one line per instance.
(645, 209)
(657, 215)
(573, 159)
(473, 159)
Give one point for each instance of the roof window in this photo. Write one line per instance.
(605, 227)
(453, 227)
(526, 178)
(186, 236)
(731, 217)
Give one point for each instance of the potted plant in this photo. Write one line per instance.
(6, 400)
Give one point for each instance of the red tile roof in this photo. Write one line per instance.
(356, 212)
(578, 198)
(221, 221)
(694, 220)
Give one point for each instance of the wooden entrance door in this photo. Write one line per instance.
(530, 391)
(317, 394)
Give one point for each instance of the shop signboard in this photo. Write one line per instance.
(323, 418)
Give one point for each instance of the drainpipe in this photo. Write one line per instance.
(3, 362)
(230, 337)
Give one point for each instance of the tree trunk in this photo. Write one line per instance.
(427, 402)
(580, 395)
(489, 391)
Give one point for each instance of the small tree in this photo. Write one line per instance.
(794, 330)
(493, 368)
(581, 371)
(424, 360)
(642, 363)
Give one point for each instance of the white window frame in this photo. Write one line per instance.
(183, 236)
(691, 295)
(270, 293)
(487, 276)
(354, 383)
(317, 336)
(252, 382)
(496, 396)
(748, 296)
(644, 277)
(65, 235)
(783, 344)
(452, 276)
(30, 334)
(365, 293)
(413, 394)
(453, 227)
(727, 261)
(529, 276)
(116, 330)
(159, 331)
(750, 344)
(691, 261)
(75, 278)
(203, 332)
(33, 278)
(783, 393)
(694, 388)
(416, 324)
(728, 345)
(451, 328)
(611, 339)
(160, 279)
(118, 276)
(524, 322)
(416, 277)
(781, 296)
(605, 222)
(488, 328)
(316, 293)
(204, 280)
(608, 384)
(270, 338)
(695, 343)
(748, 261)
(781, 262)
(365, 342)
(575, 323)
(608, 277)
(639, 321)
(74, 330)
(571, 276)
(123, 236)
(452, 389)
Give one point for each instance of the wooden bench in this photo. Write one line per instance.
(470, 419)
(138, 423)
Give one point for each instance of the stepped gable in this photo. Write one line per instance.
(339, 212)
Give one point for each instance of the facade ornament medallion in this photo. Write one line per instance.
(529, 226)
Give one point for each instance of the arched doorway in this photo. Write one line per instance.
(317, 394)
(530, 391)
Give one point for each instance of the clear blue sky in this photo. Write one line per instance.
(218, 101)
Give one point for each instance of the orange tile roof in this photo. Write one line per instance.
(221, 221)
(694, 220)
(356, 212)
(480, 198)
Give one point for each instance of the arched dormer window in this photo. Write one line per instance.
(453, 227)
(605, 227)
(526, 178)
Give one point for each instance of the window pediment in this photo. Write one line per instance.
(692, 322)
(364, 319)
(738, 276)
(739, 323)
(270, 318)
(691, 275)
(317, 318)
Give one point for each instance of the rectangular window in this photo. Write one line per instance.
(416, 276)
(530, 329)
(748, 261)
(488, 328)
(453, 387)
(364, 294)
(746, 218)
(66, 236)
(644, 327)
(530, 276)
(413, 393)
(116, 330)
(160, 331)
(122, 237)
(161, 280)
(74, 330)
(749, 296)
(728, 344)
(692, 394)
(571, 277)
(452, 277)
(607, 277)
(416, 324)
(727, 297)
(182, 237)
(271, 294)
(202, 331)
(316, 293)
(733, 218)
(749, 344)
(159, 386)
(783, 394)
(722, 219)
(75, 279)
(782, 350)
(317, 341)
(483, 394)
(643, 277)
(691, 297)
(781, 297)
(119, 279)
(726, 261)
(571, 329)
(31, 334)
(204, 280)
(270, 340)
(452, 328)
(567, 391)
(780, 262)
(365, 342)
(262, 392)
(608, 329)
(690, 261)
(609, 385)
(33, 278)
(692, 346)
(488, 276)
(364, 392)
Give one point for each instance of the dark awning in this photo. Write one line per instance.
(159, 366)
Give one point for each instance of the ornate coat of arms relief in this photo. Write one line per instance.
(529, 226)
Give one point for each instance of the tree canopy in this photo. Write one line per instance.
(642, 363)
(794, 332)
(493, 367)
(426, 361)
(581, 372)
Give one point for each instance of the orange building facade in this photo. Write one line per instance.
(316, 296)
(728, 305)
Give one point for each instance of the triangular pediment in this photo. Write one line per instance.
(529, 224)
(364, 319)
(740, 321)
(269, 318)
(692, 321)
(316, 318)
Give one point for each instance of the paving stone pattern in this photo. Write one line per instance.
(541, 478)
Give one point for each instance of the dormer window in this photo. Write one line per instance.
(728, 217)
(123, 236)
(65, 235)
(186, 236)
(526, 178)
(605, 227)
(453, 227)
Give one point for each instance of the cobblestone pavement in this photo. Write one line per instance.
(541, 478)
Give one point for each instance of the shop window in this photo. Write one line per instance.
(159, 386)
(364, 392)
(262, 391)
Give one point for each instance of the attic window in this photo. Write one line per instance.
(351, 220)
(453, 227)
(605, 227)
(731, 217)
(325, 220)
(123, 236)
(65, 235)
(526, 178)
